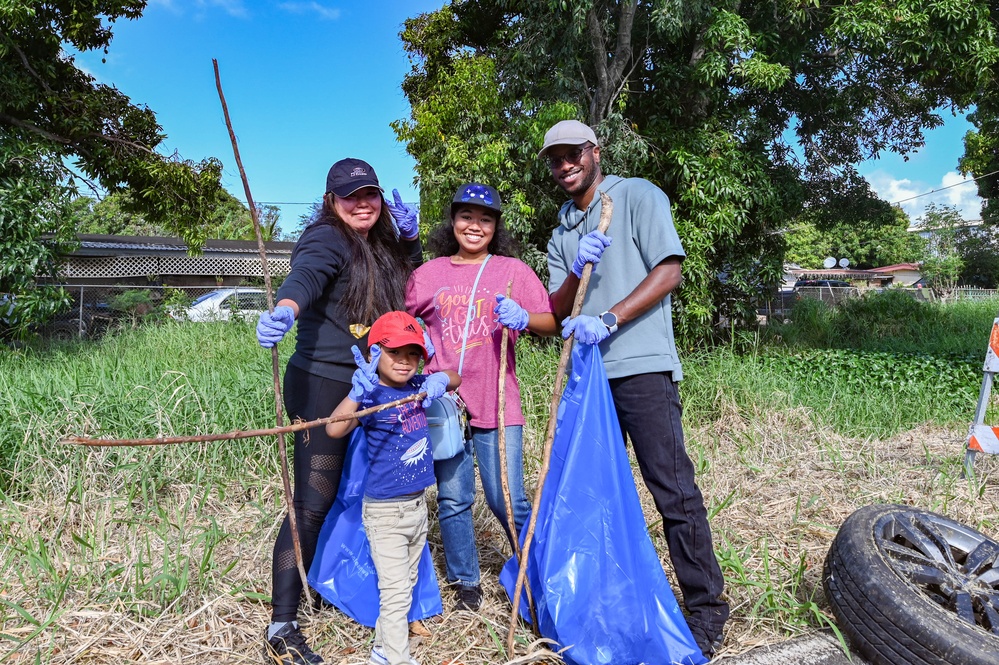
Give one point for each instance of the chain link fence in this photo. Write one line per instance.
(96, 310)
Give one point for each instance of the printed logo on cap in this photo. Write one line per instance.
(358, 171)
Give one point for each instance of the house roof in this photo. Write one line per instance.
(897, 267)
(837, 273)
(107, 245)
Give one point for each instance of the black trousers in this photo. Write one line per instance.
(648, 408)
(317, 461)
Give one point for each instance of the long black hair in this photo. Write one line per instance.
(378, 268)
(441, 240)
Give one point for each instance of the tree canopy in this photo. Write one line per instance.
(865, 244)
(747, 114)
(115, 215)
(52, 112)
(943, 264)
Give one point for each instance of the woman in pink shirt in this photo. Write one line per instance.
(473, 248)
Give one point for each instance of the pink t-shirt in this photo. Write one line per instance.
(439, 292)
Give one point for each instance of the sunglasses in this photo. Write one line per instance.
(478, 194)
(572, 157)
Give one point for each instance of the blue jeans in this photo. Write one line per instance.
(456, 493)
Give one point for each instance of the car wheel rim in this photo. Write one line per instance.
(952, 565)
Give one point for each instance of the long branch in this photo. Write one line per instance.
(237, 434)
(606, 209)
(275, 364)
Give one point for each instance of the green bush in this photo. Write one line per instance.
(891, 322)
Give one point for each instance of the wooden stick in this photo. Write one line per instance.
(501, 438)
(606, 208)
(275, 364)
(238, 434)
(501, 446)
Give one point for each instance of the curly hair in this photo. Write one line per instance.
(378, 269)
(441, 240)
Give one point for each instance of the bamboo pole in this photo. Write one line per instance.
(606, 208)
(275, 364)
(501, 438)
(237, 434)
(501, 446)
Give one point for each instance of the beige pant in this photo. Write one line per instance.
(397, 532)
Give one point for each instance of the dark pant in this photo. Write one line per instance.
(318, 461)
(648, 408)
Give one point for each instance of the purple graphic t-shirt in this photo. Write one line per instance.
(400, 460)
(440, 293)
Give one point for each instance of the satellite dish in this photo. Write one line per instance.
(844, 263)
(829, 262)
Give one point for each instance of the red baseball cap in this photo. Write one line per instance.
(395, 330)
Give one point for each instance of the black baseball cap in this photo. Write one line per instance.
(474, 193)
(349, 175)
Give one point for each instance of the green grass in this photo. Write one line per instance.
(891, 322)
(157, 380)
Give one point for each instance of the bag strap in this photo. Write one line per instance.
(468, 317)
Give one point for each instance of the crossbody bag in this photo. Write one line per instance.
(447, 417)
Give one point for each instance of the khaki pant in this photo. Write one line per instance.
(397, 532)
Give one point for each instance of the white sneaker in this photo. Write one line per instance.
(378, 658)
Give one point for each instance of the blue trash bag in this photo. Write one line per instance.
(597, 582)
(342, 570)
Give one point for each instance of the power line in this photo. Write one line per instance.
(911, 198)
(934, 191)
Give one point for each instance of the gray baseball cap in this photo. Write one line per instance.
(568, 132)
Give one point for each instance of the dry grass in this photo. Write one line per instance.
(779, 486)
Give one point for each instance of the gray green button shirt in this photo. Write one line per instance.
(643, 236)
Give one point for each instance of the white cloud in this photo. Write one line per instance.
(326, 13)
(236, 8)
(953, 190)
(232, 7)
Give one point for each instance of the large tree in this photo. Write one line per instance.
(52, 112)
(943, 264)
(747, 113)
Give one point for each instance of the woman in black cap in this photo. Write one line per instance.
(349, 267)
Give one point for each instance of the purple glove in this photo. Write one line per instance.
(404, 216)
(436, 386)
(273, 325)
(591, 248)
(365, 377)
(510, 314)
(430, 345)
(588, 329)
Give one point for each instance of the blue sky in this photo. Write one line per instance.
(311, 82)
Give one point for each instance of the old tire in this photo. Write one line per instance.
(910, 586)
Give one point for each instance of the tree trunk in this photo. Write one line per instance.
(610, 65)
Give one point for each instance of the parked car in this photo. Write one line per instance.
(224, 305)
(90, 321)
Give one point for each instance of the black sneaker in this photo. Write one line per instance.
(709, 646)
(469, 598)
(288, 647)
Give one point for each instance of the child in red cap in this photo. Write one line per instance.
(400, 468)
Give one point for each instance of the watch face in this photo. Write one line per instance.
(609, 319)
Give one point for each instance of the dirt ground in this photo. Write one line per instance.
(778, 487)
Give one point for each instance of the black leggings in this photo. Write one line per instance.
(318, 461)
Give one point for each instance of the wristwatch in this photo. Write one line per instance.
(609, 319)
